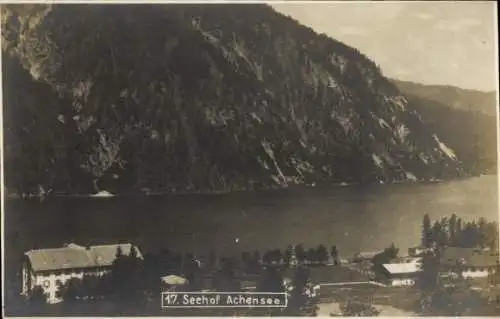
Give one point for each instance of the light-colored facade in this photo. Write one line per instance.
(472, 271)
(52, 268)
(477, 272)
(419, 251)
(469, 262)
(401, 282)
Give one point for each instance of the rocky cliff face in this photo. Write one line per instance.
(198, 98)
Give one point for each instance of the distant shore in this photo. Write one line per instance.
(105, 194)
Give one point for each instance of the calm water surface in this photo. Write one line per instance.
(353, 218)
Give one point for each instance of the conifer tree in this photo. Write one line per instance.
(300, 253)
(287, 257)
(335, 255)
(270, 280)
(426, 231)
(452, 229)
(322, 254)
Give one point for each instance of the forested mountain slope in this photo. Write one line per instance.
(457, 98)
(471, 134)
(175, 98)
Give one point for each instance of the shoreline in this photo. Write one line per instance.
(248, 190)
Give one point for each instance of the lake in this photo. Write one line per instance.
(354, 218)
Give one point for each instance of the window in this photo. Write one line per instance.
(46, 283)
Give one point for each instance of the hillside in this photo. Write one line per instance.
(471, 134)
(172, 98)
(458, 98)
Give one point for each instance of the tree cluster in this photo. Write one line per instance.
(454, 231)
(384, 257)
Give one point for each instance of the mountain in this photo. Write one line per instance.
(470, 131)
(176, 98)
(457, 98)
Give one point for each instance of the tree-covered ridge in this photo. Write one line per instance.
(199, 98)
(470, 133)
(457, 98)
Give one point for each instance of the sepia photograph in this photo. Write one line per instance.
(250, 158)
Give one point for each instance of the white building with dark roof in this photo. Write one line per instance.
(52, 267)
(419, 251)
(400, 273)
(469, 262)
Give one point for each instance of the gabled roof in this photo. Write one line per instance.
(468, 257)
(368, 254)
(403, 268)
(75, 256)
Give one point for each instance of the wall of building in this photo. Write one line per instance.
(28, 279)
(50, 282)
(400, 282)
(475, 273)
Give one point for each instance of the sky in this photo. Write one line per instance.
(447, 43)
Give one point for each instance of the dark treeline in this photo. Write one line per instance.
(318, 255)
(454, 231)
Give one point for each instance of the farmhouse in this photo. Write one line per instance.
(50, 268)
(400, 273)
(469, 262)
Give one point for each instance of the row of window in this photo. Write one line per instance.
(76, 272)
(478, 269)
(46, 283)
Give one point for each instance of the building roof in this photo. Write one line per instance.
(406, 259)
(174, 280)
(75, 256)
(368, 254)
(403, 268)
(468, 257)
